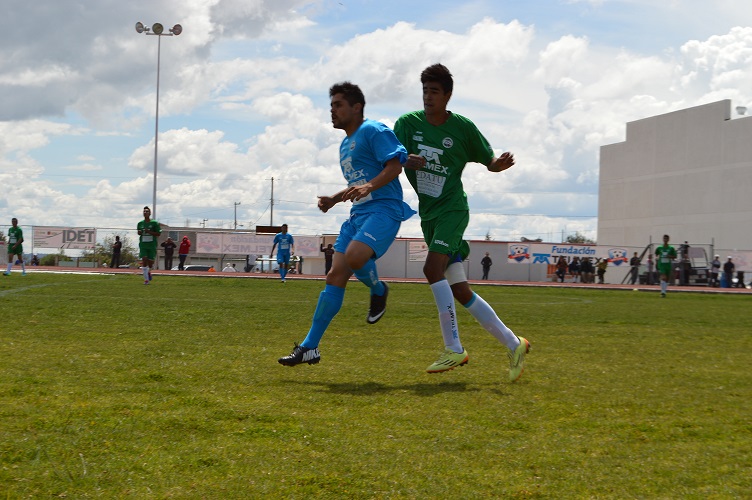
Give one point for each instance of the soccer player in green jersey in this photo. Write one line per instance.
(440, 143)
(148, 234)
(664, 258)
(15, 247)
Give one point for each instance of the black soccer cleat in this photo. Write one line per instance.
(378, 306)
(300, 355)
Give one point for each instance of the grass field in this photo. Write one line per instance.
(111, 389)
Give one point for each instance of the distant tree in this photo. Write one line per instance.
(579, 238)
(51, 259)
(488, 235)
(102, 252)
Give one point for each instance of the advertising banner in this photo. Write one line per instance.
(251, 244)
(78, 238)
(417, 251)
(549, 253)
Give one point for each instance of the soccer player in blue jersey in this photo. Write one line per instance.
(286, 248)
(371, 159)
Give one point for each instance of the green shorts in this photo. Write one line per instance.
(664, 269)
(444, 234)
(14, 250)
(147, 251)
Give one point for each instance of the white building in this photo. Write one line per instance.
(687, 174)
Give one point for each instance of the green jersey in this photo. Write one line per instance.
(145, 238)
(15, 240)
(447, 149)
(664, 256)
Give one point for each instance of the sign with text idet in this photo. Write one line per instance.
(78, 238)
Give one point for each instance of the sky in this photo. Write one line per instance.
(243, 99)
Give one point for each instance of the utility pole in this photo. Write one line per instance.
(235, 227)
(271, 216)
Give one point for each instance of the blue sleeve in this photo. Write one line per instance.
(386, 145)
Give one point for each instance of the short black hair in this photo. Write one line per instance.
(440, 74)
(351, 92)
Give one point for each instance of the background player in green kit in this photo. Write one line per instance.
(148, 234)
(664, 258)
(440, 143)
(15, 246)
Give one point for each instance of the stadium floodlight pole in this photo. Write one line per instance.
(157, 30)
(236, 215)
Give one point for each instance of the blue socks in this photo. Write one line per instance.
(370, 277)
(330, 302)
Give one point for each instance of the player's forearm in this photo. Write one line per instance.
(392, 170)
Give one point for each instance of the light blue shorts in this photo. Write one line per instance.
(283, 257)
(376, 230)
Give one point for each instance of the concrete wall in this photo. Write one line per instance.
(687, 174)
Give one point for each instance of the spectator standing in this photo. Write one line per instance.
(561, 268)
(328, 254)
(117, 247)
(634, 268)
(601, 267)
(441, 143)
(486, 263)
(169, 250)
(715, 270)
(728, 272)
(665, 256)
(574, 269)
(587, 269)
(685, 268)
(185, 247)
(371, 159)
(286, 248)
(148, 234)
(15, 247)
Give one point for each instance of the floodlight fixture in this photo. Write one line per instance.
(157, 30)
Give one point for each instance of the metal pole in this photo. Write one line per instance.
(271, 216)
(156, 131)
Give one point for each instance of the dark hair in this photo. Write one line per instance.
(351, 92)
(438, 73)
(147, 208)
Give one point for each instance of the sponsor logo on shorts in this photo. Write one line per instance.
(369, 235)
(442, 243)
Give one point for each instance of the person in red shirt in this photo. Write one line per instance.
(185, 246)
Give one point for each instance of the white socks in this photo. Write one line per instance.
(442, 294)
(488, 319)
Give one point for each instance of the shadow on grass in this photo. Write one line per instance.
(376, 388)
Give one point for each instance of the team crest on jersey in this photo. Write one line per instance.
(447, 142)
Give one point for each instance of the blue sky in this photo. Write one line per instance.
(243, 98)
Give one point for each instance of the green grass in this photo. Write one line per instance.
(112, 389)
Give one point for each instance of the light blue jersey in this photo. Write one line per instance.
(362, 157)
(284, 242)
